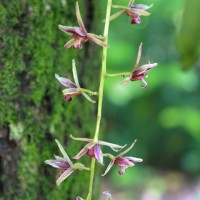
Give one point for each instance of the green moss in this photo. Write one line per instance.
(32, 52)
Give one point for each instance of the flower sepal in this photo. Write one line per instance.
(79, 166)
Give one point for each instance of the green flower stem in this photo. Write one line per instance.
(100, 99)
(109, 156)
(119, 74)
(87, 91)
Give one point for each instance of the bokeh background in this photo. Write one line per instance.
(165, 117)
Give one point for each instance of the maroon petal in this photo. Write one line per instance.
(136, 19)
(80, 32)
(66, 82)
(123, 162)
(58, 164)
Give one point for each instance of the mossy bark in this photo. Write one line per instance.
(32, 109)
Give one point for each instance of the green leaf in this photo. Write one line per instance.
(188, 39)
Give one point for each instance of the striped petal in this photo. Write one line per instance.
(64, 81)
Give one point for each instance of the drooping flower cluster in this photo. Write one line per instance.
(93, 150)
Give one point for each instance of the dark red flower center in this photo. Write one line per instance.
(90, 152)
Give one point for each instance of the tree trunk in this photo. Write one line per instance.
(33, 112)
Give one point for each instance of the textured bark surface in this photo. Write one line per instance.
(32, 110)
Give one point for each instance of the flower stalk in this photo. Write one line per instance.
(100, 97)
(118, 74)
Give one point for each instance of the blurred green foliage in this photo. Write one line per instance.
(165, 117)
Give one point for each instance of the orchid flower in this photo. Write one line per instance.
(122, 162)
(140, 72)
(64, 164)
(92, 149)
(74, 89)
(80, 34)
(134, 11)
